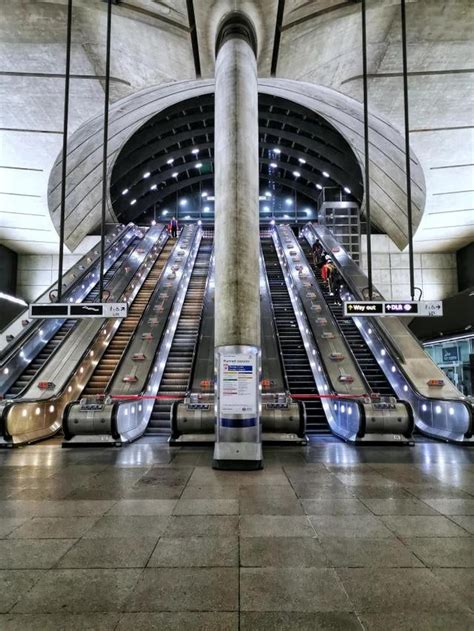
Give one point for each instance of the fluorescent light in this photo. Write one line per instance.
(296, 173)
(274, 165)
(347, 189)
(125, 191)
(133, 202)
(153, 187)
(175, 174)
(288, 201)
(195, 151)
(268, 194)
(277, 151)
(164, 212)
(266, 209)
(198, 165)
(206, 209)
(301, 160)
(183, 202)
(9, 298)
(146, 175)
(326, 174)
(204, 194)
(170, 161)
(319, 187)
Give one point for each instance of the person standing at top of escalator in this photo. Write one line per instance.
(174, 227)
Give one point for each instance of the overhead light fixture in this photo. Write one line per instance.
(318, 186)
(206, 209)
(262, 198)
(326, 174)
(170, 161)
(204, 194)
(133, 202)
(198, 165)
(153, 223)
(153, 187)
(183, 202)
(347, 189)
(296, 174)
(195, 151)
(277, 151)
(175, 174)
(272, 222)
(164, 212)
(125, 191)
(273, 165)
(268, 194)
(146, 175)
(301, 160)
(266, 209)
(288, 201)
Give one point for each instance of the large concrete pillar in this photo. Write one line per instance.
(237, 298)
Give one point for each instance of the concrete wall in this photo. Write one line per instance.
(37, 272)
(435, 274)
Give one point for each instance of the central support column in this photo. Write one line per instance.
(237, 248)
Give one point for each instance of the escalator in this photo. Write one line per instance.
(175, 379)
(295, 359)
(34, 367)
(105, 368)
(372, 372)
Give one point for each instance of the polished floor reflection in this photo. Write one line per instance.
(328, 536)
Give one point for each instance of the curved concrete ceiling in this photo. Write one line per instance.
(315, 41)
(83, 202)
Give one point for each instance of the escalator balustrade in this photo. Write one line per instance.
(295, 359)
(106, 367)
(176, 376)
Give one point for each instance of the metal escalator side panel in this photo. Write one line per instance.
(114, 233)
(273, 370)
(334, 353)
(132, 417)
(33, 420)
(41, 332)
(442, 413)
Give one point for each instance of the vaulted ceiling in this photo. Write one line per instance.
(156, 42)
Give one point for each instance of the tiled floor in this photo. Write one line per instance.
(327, 537)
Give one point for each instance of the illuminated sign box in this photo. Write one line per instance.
(423, 308)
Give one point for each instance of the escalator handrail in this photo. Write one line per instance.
(30, 330)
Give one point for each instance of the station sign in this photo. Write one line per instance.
(79, 310)
(423, 308)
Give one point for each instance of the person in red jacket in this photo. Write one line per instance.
(327, 274)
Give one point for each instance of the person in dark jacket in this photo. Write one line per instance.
(174, 227)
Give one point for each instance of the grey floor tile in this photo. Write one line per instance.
(71, 591)
(349, 506)
(32, 553)
(459, 580)
(211, 492)
(170, 476)
(397, 590)
(59, 622)
(437, 492)
(206, 507)
(422, 526)
(54, 527)
(353, 552)
(275, 526)
(9, 524)
(153, 492)
(196, 552)
(109, 553)
(281, 552)
(270, 506)
(65, 508)
(202, 525)
(261, 491)
(355, 526)
(443, 551)
(452, 506)
(180, 621)
(465, 521)
(380, 492)
(185, 589)
(284, 621)
(143, 507)
(416, 622)
(291, 589)
(128, 526)
(327, 491)
(400, 506)
(14, 583)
